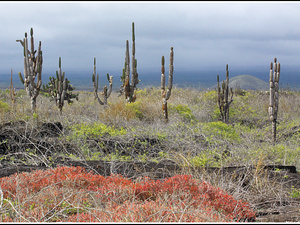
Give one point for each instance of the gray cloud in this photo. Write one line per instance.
(203, 34)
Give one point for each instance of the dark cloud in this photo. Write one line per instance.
(203, 34)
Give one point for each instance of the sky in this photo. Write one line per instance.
(204, 35)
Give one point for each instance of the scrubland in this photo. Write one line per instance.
(194, 137)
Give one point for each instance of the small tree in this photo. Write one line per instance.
(32, 69)
(60, 89)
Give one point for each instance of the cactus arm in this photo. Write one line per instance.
(106, 91)
(134, 75)
(127, 72)
(227, 103)
(64, 91)
(110, 85)
(170, 80)
(21, 42)
(97, 82)
(271, 102)
(163, 93)
(227, 83)
(163, 77)
(166, 95)
(220, 99)
(276, 90)
(32, 41)
(231, 96)
(21, 78)
(26, 66)
(133, 61)
(96, 93)
(38, 66)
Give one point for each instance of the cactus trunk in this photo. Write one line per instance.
(274, 96)
(128, 87)
(106, 92)
(12, 90)
(166, 95)
(32, 69)
(223, 97)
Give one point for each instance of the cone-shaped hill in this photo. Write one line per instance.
(245, 82)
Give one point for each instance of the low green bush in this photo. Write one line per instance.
(184, 111)
(95, 130)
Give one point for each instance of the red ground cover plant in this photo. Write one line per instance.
(70, 194)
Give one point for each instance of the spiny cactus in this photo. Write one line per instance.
(274, 95)
(32, 69)
(60, 89)
(12, 90)
(223, 97)
(106, 92)
(129, 88)
(166, 95)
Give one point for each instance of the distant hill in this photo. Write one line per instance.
(245, 82)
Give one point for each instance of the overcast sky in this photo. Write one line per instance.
(203, 34)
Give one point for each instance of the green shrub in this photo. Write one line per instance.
(184, 111)
(242, 108)
(283, 154)
(4, 107)
(295, 193)
(95, 130)
(136, 107)
(204, 158)
(218, 131)
(117, 157)
(210, 96)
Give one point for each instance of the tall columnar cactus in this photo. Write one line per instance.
(60, 89)
(12, 89)
(274, 95)
(106, 92)
(128, 88)
(223, 97)
(166, 94)
(32, 69)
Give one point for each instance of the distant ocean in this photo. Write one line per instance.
(202, 79)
